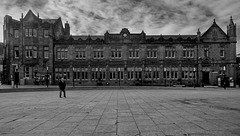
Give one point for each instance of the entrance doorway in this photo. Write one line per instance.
(205, 77)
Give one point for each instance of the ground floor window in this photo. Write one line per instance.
(27, 72)
(62, 73)
(188, 72)
(152, 73)
(171, 73)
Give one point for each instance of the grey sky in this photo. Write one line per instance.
(152, 16)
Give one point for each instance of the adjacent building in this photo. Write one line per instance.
(28, 46)
(38, 47)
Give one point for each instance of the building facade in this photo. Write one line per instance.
(122, 58)
(28, 45)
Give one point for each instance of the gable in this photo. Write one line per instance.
(30, 16)
(58, 28)
(215, 33)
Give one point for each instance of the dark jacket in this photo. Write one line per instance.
(62, 85)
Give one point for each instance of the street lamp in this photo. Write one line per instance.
(119, 76)
(73, 76)
(224, 79)
(194, 70)
(16, 77)
(47, 80)
(165, 75)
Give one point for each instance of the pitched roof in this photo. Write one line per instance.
(213, 25)
(51, 21)
(30, 14)
(171, 36)
(84, 37)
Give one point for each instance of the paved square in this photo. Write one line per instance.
(157, 111)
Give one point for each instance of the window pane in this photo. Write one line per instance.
(26, 32)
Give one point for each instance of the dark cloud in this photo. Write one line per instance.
(152, 16)
(38, 4)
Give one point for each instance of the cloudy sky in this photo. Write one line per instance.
(152, 16)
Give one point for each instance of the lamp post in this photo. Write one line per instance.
(224, 79)
(119, 76)
(53, 58)
(73, 76)
(165, 75)
(47, 80)
(194, 70)
(16, 80)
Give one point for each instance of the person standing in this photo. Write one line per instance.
(62, 86)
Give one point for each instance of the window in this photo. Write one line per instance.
(62, 53)
(188, 53)
(171, 73)
(84, 73)
(134, 73)
(98, 53)
(133, 53)
(151, 53)
(46, 33)
(222, 52)
(116, 53)
(222, 70)
(26, 32)
(80, 53)
(27, 73)
(188, 72)
(16, 33)
(16, 52)
(205, 52)
(28, 52)
(34, 52)
(62, 73)
(30, 33)
(170, 53)
(34, 32)
(45, 52)
(102, 73)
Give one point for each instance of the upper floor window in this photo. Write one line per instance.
(45, 33)
(16, 52)
(222, 52)
(170, 53)
(62, 53)
(16, 33)
(206, 52)
(26, 32)
(116, 53)
(34, 32)
(30, 32)
(30, 51)
(98, 53)
(188, 53)
(80, 53)
(133, 53)
(45, 52)
(151, 53)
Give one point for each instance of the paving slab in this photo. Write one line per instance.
(142, 111)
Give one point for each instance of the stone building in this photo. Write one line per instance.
(28, 46)
(122, 58)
